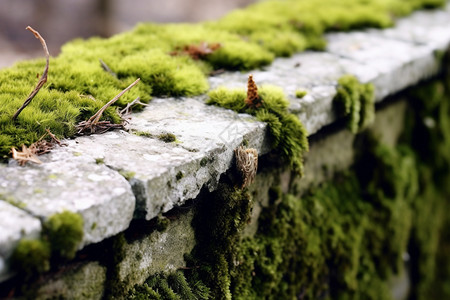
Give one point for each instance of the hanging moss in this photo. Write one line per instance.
(61, 236)
(429, 132)
(65, 232)
(31, 257)
(173, 286)
(288, 135)
(355, 102)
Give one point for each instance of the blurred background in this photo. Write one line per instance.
(59, 21)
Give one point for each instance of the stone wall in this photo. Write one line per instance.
(170, 218)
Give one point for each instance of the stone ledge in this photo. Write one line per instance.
(87, 176)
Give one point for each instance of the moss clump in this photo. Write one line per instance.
(162, 223)
(127, 174)
(65, 232)
(289, 137)
(61, 236)
(355, 102)
(300, 93)
(167, 137)
(143, 133)
(179, 175)
(217, 237)
(31, 257)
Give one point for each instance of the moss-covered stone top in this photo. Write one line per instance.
(173, 60)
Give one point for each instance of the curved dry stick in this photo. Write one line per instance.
(94, 119)
(43, 78)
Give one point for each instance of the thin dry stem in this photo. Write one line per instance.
(128, 109)
(106, 68)
(43, 78)
(42, 146)
(93, 125)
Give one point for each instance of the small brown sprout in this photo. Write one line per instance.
(247, 164)
(253, 100)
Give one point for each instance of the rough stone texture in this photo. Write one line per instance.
(166, 174)
(15, 224)
(68, 181)
(158, 252)
(83, 281)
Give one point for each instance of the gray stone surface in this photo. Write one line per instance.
(166, 174)
(85, 281)
(68, 181)
(157, 252)
(15, 224)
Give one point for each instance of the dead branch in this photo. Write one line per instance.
(106, 68)
(26, 155)
(42, 146)
(93, 125)
(43, 78)
(128, 109)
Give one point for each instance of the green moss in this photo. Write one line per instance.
(100, 161)
(169, 286)
(31, 257)
(249, 38)
(203, 162)
(167, 137)
(289, 137)
(13, 201)
(300, 93)
(143, 133)
(217, 236)
(162, 223)
(127, 174)
(179, 175)
(94, 226)
(355, 102)
(429, 132)
(65, 232)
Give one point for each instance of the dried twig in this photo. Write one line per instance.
(26, 155)
(128, 109)
(106, 68)
(43, 78)
(93, 125)
(42, 146)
